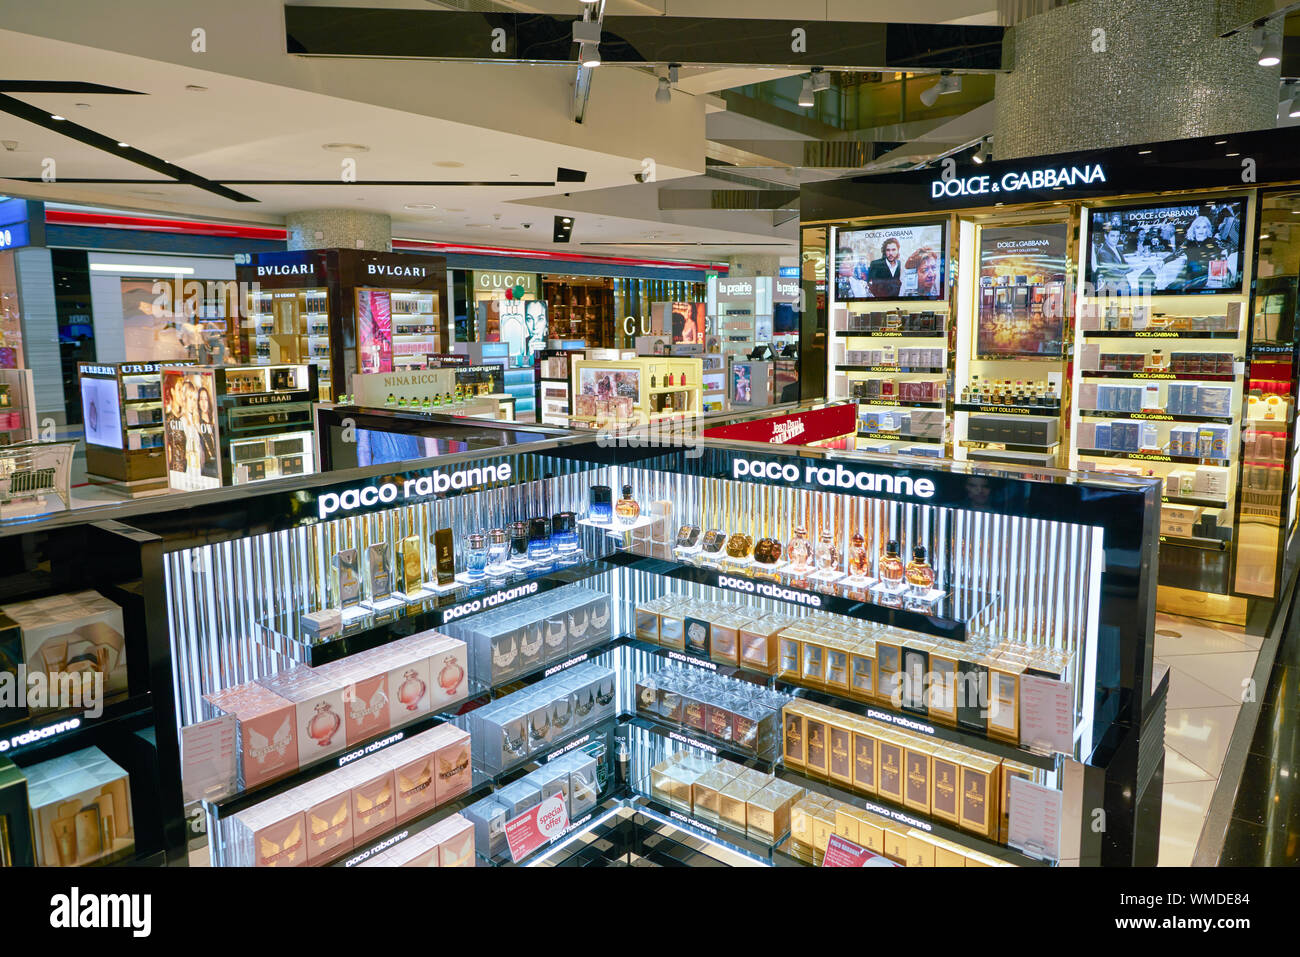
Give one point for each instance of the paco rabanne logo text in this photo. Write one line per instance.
(435, 484)
(838, 477)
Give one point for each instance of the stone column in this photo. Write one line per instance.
(339, 229)
(1102, 73)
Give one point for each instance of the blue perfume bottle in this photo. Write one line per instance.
(476, 556)
(601, 507)
(540, 549)
(564, 536)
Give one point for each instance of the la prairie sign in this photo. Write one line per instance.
(1017, 180)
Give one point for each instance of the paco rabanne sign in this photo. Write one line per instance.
(839, 477)
(436, 483)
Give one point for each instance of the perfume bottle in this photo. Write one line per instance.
(476, 556)
(739, 544)
(540, 549)
(627, 510)
(564, 536)
(498, 550)
(688, 536)
(767, 550)
(518, 543)
(891, 566)
(859, 561)
(713, 539)
(920, 574)
(600, 504)
(828, 554)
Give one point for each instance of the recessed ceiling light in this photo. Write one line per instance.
(1231, 154)
(82, 106)
(566, 219)
(420, 206)
(345, 147)
(55, 116)
(448, 164)
(1219, 142)
(195, 88)
(1143, 152)
(125, 146)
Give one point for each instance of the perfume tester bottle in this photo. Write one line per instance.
(739, 544)
(828, 553)
(476, 556)
(891, 566)
(714, 538)
(919, 573)
(767, 550)
(626, 509)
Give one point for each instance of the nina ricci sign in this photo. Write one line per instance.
(1016, 180)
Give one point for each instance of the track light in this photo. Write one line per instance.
(1268, 46)
(978, 157)
(1295, 109)
(590, 55)
(806, 93)
(821, 80)
(664, 93)
(948, 83)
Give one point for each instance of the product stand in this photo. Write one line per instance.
(643, 381)
(554, 401)
(991, 537)
(1158, 347)
(137, 729)
(310, 303)
(17, 406)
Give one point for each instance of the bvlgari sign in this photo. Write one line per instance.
(1017, 180)
(287, 269)
(379, 269)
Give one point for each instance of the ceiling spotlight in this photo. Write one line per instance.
(821, 80)
(664, 93)
(55, 116)
(978, 157)
(345, 147)
(420, 206)
(125, 146)
(806, 94)
(672, 73)
(590, 55)
(1267, 45)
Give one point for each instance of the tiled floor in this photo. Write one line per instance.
(1210, 666)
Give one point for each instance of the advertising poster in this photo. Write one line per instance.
(190, 424)
(1177, 249)
(893, 262)
(688, 322)
(160, 322)
(375, 330)
(101, 412)
(1022, 291)
(610, 383)
(742, 384)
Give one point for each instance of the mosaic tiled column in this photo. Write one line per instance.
(1101, 73)
(339, 229)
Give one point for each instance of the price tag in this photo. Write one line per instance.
(208, 759)
(1035, 825)
(1046, 714)
(844, 853)
(537, 826)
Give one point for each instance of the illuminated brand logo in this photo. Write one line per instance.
(296, 269)
(838, 477)
(1015, 181)
(98, 370)
(490, 601)
(735, 287)
(435, 484)
(377, 269)
(783, 432)
(769, 591)
(784, 288)
(504, 280)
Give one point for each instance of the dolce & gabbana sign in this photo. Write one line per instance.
(1016, 180)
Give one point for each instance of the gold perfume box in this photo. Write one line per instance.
(813, 668)
(768, 815)
(444, 552)
(942, 701)
(672, 628)
(815, 757)
(945, 782)
(1004, 699)
(724, 642)
(837, 666)
(920, 849)
(948, 854)
(823, 826)
(889, 665)
(916, 789)
(895, 840)
(789, 656)
(647, 624)
(889, 768)
(839, 763)
(871, 831)
(801, 814)
(793, 737)
(979, 796)
(864, 761)
(758, 643)
(731, 805)
(862, 671)
(410, 568)
(846, 824)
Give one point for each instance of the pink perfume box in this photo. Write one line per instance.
(365, 699)
(449, 668)
(374, 805)
(457, 847)
(329, 820)
(455, 775)
(273, 834)
(266, 731)
(416, 788)
(320, 709)
(410, 687)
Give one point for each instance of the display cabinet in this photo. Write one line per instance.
(554, 377)
(17, 406)
(648, 612)
(581, 309)
(635, 391)
(122, 408)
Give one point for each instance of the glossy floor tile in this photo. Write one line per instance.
(1201, 735)
(1182, 817)
(1180, 770)
(1226, 672)
(1188, 691)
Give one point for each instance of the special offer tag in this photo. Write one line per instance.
(536, 827)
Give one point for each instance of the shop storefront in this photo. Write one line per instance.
(1124, 311)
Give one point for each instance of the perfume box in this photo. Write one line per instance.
(601, 626)
(80, 809)
(917, 777)
(837, 666)
(840, 756)
(862, 671)
(415, 776)
(864, 759)
(812, 670)
(409, 682)
(518, 797)
(1004, 698)
(732, 801)
(448, 671)
(945, 780)
(321, 625)
(815, 758)
(672, 628)
(266, 736)
(979, 796)
(767, 815)
(801, 813)
(889, 767)
(532, 643)
(846, 824)
(895, 836)
(489, 821)
(346, 577)
(555, 637)
(374, 804)
(410, 566)
(328, 813)
(78, 633)
(365, 698)
(941, 703)
(889, 666)
(920, 849)
(455, 772)
(647, 623)
(793, 736)
(270, 834)
(724, 636)
(972, 678)
(16, 848)
(705, 791)
(457, 846)
(823, 826)
(319, 710)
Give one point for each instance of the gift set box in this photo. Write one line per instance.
(74, 634)
(741, 714)
(301, 714)
(532, 720)
(1015, 430)
(330, 815)
(80, 809)
(892, 321)
(727, 794)
(534, 632)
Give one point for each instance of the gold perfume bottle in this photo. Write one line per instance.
(739, 544)
(714, 538)
(767, 550)
(920, 573)
(891, 566)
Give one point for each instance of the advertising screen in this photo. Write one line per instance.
(375, 330)
(101, 412)
(889, 263)
(1022, 291)
(1171, 249)
(688, 322)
